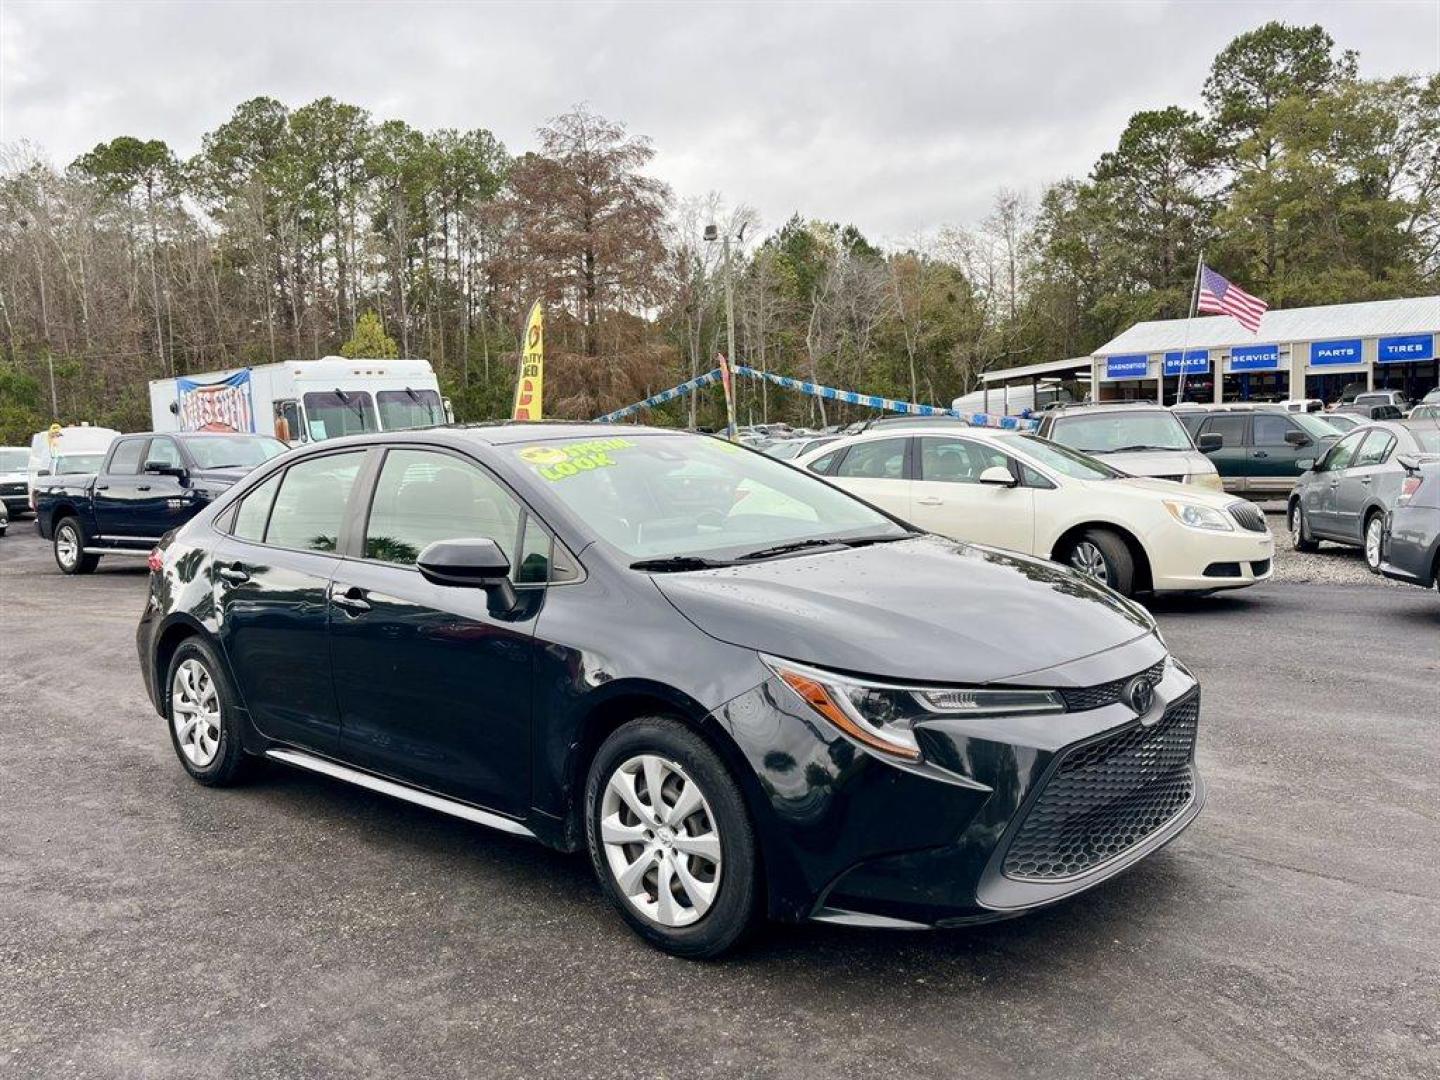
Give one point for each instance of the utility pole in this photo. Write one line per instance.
(712, 233)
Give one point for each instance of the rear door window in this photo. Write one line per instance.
(1375, 449)
(883, 459)
(310, 507)
(1230, 425)
(125, 461)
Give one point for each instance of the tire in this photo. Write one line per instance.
(711, 911)
(1102, 556)
(210, 750)
(70, 554)
(1300, 538)
(1374, 523)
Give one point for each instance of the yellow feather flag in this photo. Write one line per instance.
(529, 389)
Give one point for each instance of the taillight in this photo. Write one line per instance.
(156, 561)
(1408, 487)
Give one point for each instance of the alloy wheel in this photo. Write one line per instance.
(1374, 530)
(67, 546)
(1090, 561)
(195, 712)
(660, 840)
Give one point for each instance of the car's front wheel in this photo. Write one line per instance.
(1103, 556)
(1300, 538)
(70, 554)
(204, 716)
(670, 838)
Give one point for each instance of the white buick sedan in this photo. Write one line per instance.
(1018, 491)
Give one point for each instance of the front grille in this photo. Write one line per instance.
(1248, 516)
(1105, 797)
(1097, 697)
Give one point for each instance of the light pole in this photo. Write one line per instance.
(712, 233)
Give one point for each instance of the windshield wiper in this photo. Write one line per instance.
(1136, 447)
(670, 564)
(786, 549)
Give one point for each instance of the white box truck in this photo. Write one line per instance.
(303, 401)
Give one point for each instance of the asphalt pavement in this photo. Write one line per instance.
(299, 927)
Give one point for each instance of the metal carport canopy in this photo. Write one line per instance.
(1077, 365)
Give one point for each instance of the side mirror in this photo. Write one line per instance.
(469, 564)
(1297, 438)
(160, 468)
(1305, 463)
(1210, 442)
(42, 472)
(997, 475)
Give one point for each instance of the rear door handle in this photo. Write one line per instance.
(102, 487)
(352, 600)
(1366, 479)
(1261, 453)
(142, 487)
(233, 574)
(930, 500)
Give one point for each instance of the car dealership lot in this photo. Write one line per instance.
(150, 926)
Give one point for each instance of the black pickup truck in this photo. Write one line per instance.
(148, 485)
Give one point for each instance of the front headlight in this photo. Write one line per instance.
(881, 716)
(1195, 516)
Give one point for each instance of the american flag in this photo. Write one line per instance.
(1219, 297)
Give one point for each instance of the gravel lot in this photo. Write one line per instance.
(296, 927)
(1333, 564)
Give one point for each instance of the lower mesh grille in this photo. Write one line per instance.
(1107, 796)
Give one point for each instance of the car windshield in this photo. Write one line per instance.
(339, 412)
(1120, 431)
(1060, 459)
(401, 410)
(229, 452)
(13, 460)
(688, 497)
(1313, 426)
(70, 464)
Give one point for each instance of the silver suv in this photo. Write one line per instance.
(1140, 440)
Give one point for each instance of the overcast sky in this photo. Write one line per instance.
(896, 117)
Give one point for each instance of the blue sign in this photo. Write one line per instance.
(1404, 350)
(1255, 358)
(1327, 353)
(1196, 362)
(1133, 366)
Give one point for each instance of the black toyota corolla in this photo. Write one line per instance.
(744, 691)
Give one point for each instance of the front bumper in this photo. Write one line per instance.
(1187, 560)
(953, 840)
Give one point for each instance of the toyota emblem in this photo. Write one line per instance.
(1140, 694)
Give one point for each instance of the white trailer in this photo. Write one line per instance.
(303, 400)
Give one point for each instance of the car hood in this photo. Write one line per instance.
(926, 609)
(1158, 462)
(1148, 487)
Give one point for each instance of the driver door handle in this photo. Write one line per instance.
(352, 600)
(142, 487)
(1261, 453)
(1366, 479)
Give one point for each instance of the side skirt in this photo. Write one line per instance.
(302, 760)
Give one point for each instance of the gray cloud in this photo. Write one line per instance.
(895, 116)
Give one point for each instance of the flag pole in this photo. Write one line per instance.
(1184, 365)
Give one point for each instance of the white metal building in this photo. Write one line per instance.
(1299, 352)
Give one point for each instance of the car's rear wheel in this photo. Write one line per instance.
(204, 717)
(1101, 555)
(1374, 534)
(70, 554)
(670, 838)
(1300, 538)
